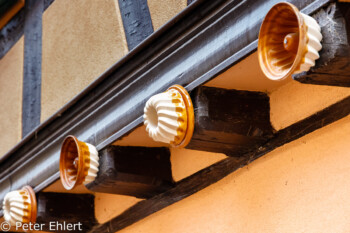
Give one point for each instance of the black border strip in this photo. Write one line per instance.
(137, 21)
(31, 100)
(11, 33)
(221, 169)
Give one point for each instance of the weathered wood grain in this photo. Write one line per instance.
(31, 105)
(136, 171)
(230, 121)
(333, 66)
(137, 21)
(65, 207)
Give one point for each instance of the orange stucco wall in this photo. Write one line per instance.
(163, 11)
(81, 39)
(11, 76)
(300, 187)
(294, 102)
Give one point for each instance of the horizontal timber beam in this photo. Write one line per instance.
(232, 122)
(219, 170)
(142, 172)
(65, 208)
(189, 50)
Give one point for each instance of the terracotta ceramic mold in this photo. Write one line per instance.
(79, 162)
(289, 42)
(20, 206)
(169, 117)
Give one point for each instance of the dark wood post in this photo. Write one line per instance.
(31, 106)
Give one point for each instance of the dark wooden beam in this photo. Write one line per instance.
(31, 106)
(219, 170)
(8, 9)
(14, 30)
(65, 208)
(47, 3)
(137, 171)
(190, 1)
(230, 121)
(11, 33)
(5, 6)
(333, 67)
(137, 21)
